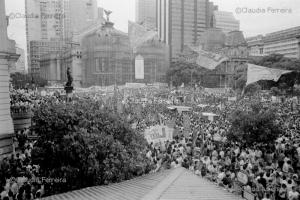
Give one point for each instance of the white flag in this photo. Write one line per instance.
(256, 73)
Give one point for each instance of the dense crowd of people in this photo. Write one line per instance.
(269, 171)
(19, 176)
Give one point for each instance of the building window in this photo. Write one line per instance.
(101, 64)
(261, 51)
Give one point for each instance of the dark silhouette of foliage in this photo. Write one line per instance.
(25, 81)
(257, 126)
(86, 145)
(185, 72)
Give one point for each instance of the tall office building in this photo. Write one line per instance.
(46, 22)
(225, 21)
(45, 19)
(182, 22)
(55, 20)
(79, 14)
(146, 13)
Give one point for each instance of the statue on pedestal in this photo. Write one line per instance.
(68, 87)
(69, 77)
(107, 13)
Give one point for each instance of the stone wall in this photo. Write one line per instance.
(7, 55)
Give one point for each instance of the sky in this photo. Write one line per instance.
(256, 16)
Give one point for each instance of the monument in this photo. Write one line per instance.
(69, 85)
(7, 56)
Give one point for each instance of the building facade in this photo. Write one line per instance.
(106, 57)
(237, 51)
(79, 14)
(7, 55)
(53, 66)
(56, 20)
(102, 55)
(50, 68)
(213, 39)
(256, 45)
(182, 22)
(19, 66)
(156, 61)
(47, 23)
(146, 13)
(225, 21)
(38, 48)
(285, 42)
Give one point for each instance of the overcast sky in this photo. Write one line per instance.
(251, 23)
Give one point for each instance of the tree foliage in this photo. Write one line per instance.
(275, 91)
(23, 81)
(258, 125)
(86, 145)
(185, 72)
(277, 61)
(252, 89)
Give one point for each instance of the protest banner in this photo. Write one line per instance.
(242, 178)
(170, 123)
(232, 98)
(217, 137)
(158, 134)
(186, 125)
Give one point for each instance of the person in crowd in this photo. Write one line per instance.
(272, 170)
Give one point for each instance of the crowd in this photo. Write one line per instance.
(19, 176)
(270, 171)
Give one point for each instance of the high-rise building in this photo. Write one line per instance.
(146, 13)
(182, 22)
(79, 14)
(57, 21)
(45, 22)
(225, 21)
(45, 19)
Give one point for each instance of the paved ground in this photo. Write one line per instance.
(176, 184)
